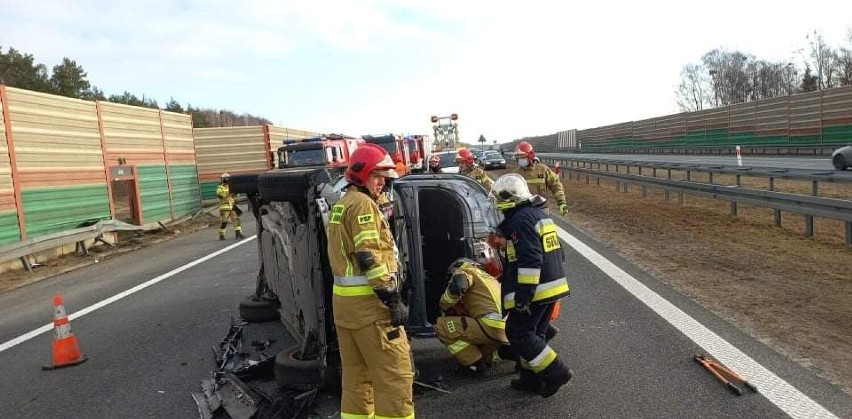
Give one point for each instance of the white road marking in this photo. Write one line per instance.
(48, 327)
(789, 399)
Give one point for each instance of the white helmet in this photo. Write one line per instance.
(510, 190)
(224, 176)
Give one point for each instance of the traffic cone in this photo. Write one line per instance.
(66, 351)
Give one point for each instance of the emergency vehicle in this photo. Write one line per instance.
(329, 150)
(446, 132)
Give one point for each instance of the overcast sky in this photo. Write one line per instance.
(509, 69)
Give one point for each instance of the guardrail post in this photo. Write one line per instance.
(777, 211)
(848, 233)
(711, 177)
(809, 219)
(734, 203)
(669, 177)
(625, 183)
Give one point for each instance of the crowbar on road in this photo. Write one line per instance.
(720, 371)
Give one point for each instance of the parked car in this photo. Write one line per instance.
(842, 158)
(492, 160)
(435, 220)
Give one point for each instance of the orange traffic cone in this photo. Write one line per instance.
(557, 308)
(66, 351)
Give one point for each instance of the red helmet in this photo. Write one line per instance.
(369, 158)
(465, 156)
(434, 160)
(524, 149)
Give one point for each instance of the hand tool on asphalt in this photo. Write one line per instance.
(719, 371)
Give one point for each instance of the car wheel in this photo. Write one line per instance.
(243, 183)
(255, 310)
(839, 162)
(294, 373)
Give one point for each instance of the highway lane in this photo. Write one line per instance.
(149, 350)
(810, 163)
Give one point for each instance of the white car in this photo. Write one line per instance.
(842, 158)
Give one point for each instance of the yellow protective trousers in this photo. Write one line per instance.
(470, 339)
(377, 372)
(224, 217)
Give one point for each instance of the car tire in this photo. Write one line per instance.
(243, 184)
(294, 373)
(839, 162)
(255, 310)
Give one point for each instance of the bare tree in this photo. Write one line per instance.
(822, 60)
(694, 89)
(843, 61)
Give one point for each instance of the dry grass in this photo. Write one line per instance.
(791, 291)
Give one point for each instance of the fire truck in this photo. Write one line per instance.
(419, 147)
(446, 132)
(396, 146)
(329, 150)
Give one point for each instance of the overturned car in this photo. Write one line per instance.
(435, 219)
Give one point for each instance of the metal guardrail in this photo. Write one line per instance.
(809, 205)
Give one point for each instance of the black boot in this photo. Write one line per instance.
(554, 379)
(475, 370)
(239, 235)
(528, 382)
(551, 332)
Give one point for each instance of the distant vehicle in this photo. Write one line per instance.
(448, 161)
(492, 160)
(395, 145)
(446, 131)
(842, 157)
(327, 150)
(476, 154)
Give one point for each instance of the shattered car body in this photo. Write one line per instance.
(436, 219)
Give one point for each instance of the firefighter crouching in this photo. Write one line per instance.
(472, 327)
(467, 166)
(540, 178)
(228, 210)
(368, 311)
(532, 282)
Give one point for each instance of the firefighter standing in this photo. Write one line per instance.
(228, 210)
(467, 166)
(368, 311)
(472, 327)
(434, 164)
(539, 177)
(532, 282)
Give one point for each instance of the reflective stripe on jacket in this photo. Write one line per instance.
(541, 180)
(226, 200)
(356, 224)
(534, 257)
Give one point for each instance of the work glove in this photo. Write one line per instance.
(523, 300)
(398, 314)
(392, 300)
(563, 209)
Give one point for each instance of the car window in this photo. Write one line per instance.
(306, 157)
(448, 159)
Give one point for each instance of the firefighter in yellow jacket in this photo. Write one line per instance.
(472, 326)
(368, 312)
(540, 178)
(467, 166)
(228, 210)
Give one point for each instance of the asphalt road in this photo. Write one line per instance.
(628, 338)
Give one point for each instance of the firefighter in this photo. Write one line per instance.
(434, 164)
(533, 281)
(467, 166)
(228, 210)
(540, 178)
(472, 326)
(368, 311)
(399, 165)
